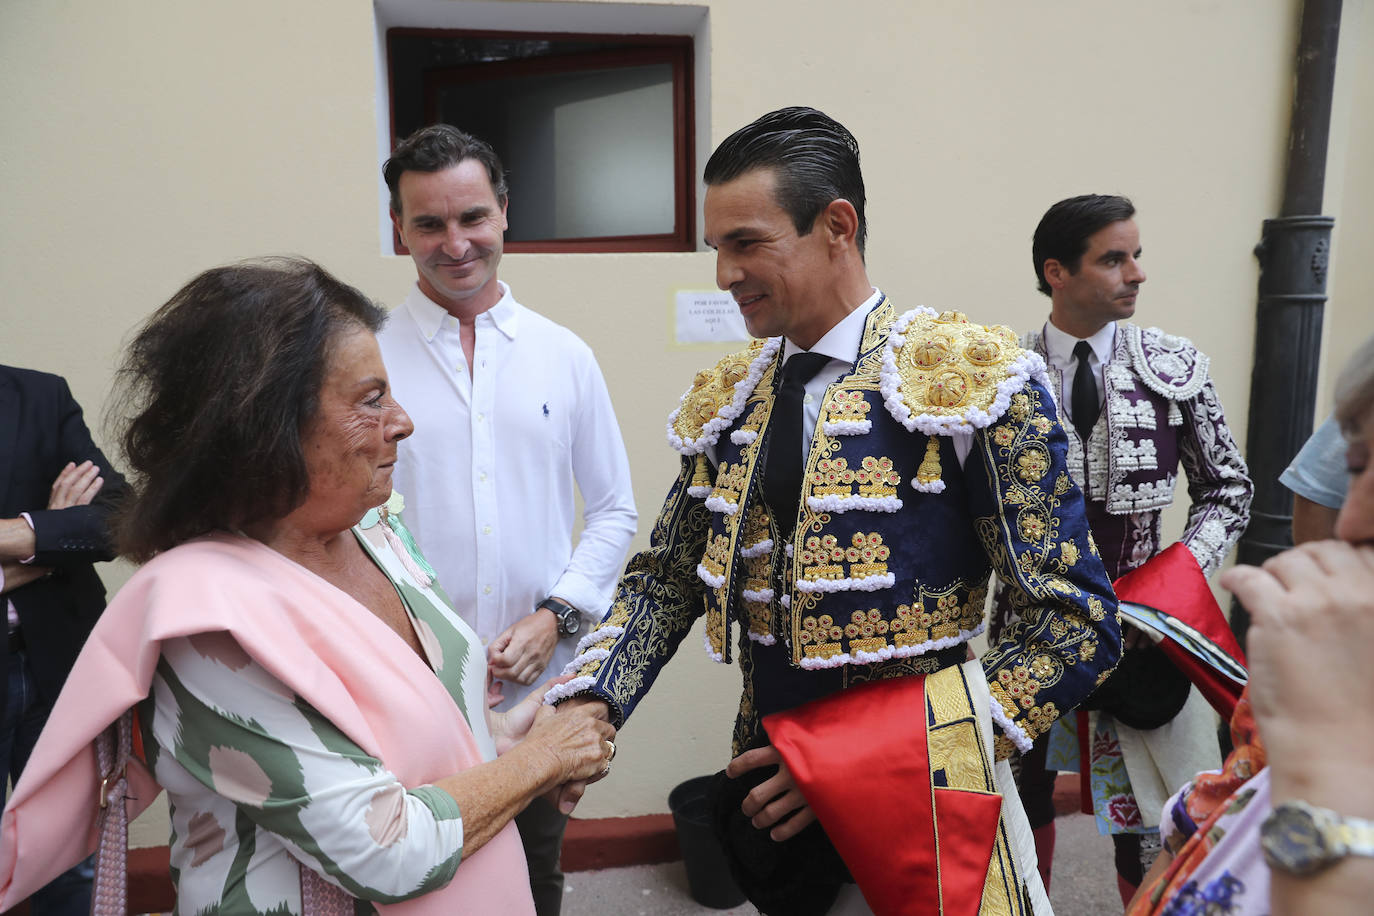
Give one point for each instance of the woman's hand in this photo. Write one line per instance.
(1311, 649)
(573, 747)
(558, 748)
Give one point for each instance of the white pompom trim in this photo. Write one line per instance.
(763, 594)
(890, 652)
(563, 691)
(714, 655)
(756, 550)
(744, 436)
(763, 639)
(1009, 728)
(935, 486)
(710, 431)
(699, 492)
(863, 584)
(786, 600)
(847, 427)
(591, 655)
(705, 576)
(601, 634)
(838, 504)
(721, 504)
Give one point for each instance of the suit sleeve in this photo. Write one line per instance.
(1029, 515)
(79, 534)
(1219, 484)
(657, 601)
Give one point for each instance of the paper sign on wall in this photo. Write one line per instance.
(708, 316)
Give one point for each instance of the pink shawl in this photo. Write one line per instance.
(316, 639)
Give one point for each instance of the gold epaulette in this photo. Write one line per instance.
(944, 374)
(717, 397)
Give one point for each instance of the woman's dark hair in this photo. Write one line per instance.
(814, 158)
(1065, 228)
(215, 391)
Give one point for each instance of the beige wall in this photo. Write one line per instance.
(144, 141)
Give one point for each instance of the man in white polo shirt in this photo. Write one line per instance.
(511, 413)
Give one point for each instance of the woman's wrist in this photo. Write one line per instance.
(1344, 787)
(538, 766)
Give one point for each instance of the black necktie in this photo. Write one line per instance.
(1085, 405)
(782, 475)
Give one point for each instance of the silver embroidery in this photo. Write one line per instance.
(1137, 456)
(1152, 494)
(1141, 414)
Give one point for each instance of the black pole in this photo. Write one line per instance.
(1292, 253)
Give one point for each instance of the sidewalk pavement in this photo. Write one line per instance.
(1084, 882)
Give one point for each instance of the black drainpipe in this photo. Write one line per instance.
(1292, 252)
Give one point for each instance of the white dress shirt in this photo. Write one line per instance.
(841, 343)
(12, 613)
(1059, 349)
(488, 476)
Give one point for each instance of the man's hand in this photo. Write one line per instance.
(773, 799)
(16, 574)
(522, 652)
(17, 541)
(77, 485)
(1133, 637)
(510, 726)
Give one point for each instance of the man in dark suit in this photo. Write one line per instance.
(56, 494)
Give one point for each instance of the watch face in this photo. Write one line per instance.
(1292, 841)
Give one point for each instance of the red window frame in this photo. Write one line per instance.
(634, 50)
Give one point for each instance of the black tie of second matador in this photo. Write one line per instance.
(1085, 404)
(782, 475)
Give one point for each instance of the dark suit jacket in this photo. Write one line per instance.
(41, 429)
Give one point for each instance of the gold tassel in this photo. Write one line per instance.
(929, 471)
(701, 473)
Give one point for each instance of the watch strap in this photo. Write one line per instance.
(1354, 834)
(569, 617)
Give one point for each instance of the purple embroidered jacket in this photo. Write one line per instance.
(1160, 410)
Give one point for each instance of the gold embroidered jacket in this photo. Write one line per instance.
(886, 572)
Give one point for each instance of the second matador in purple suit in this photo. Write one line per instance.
(1135, 403)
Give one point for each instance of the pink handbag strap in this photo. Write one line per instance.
(110, 895)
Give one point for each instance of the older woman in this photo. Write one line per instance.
(305, 695)
(1303, 732)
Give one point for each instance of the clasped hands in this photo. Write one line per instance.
(776, 804)
(76, 485)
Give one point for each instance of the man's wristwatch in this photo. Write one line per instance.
(1300, 839)
(569, 617)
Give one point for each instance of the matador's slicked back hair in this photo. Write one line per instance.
(815, 159)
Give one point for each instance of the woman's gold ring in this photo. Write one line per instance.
(610, 751)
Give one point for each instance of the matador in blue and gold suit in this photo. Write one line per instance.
(935, 461)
